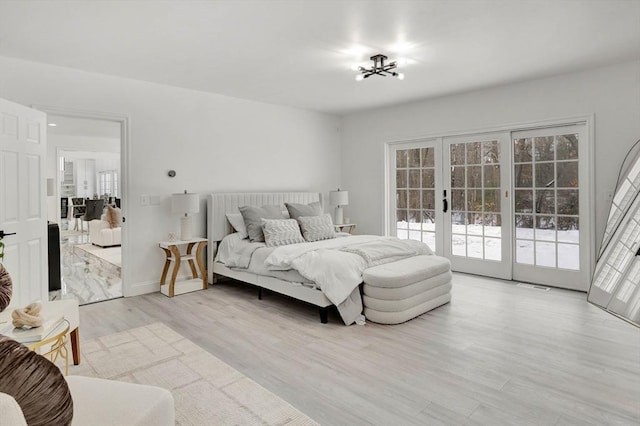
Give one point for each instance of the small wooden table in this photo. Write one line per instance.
(345, 227)
(172, 251)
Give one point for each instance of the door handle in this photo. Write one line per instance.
(445, 203)
(2, 233)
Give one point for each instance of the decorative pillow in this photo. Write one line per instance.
(35, 383)
(236, 220)
(253, 219)
(114, 217)
(281, 232)
(297, 210)
(6, 288)
(316, 228)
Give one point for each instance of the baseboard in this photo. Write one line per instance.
(152, 286)
(142, 288)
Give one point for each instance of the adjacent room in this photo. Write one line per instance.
(83, 163)
(318, 212)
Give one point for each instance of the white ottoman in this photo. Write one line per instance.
(399, 291)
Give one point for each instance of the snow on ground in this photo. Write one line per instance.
(540, 247)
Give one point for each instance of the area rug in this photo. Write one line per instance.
(111, 255)
(206, 390)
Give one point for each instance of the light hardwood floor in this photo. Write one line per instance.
(497, 354)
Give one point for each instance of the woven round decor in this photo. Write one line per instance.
(35, 383)
(6, 288)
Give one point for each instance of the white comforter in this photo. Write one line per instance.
(337, 265)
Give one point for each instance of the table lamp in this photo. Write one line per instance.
(339, 198)
(185, 203)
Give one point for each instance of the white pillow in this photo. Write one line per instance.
(316, 228)
(236, 220)
(281, 232)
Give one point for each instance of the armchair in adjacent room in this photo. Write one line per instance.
(107, 231)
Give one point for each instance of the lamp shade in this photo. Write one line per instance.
(339, 198)
(185, 203)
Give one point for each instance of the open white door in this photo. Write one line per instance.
(23, 213)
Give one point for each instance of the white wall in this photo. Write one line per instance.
(611, 93)
(215, 143)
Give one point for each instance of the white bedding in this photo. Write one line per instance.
(240, 254)
(335, 265)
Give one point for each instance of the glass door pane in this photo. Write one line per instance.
(414, 187)
(549, 205)
(475, 228)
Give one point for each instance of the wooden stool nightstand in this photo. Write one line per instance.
(172, 251)
(345, 227)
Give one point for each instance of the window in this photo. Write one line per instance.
(109, 183)
(415, 194)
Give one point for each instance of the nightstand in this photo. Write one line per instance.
(172, 250)
(345, 227)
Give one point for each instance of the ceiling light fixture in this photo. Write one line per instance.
(52, 124)
(380, 68)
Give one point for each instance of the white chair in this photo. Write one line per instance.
(100, 402)
(101, 234)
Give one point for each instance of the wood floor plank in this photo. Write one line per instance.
(497, 354)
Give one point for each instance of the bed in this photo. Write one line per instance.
(218, 227)
(323, 273)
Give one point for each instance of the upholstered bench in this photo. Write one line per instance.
(399, 291)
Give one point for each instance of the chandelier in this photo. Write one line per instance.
(380, 68)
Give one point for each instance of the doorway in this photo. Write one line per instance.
(84, 166)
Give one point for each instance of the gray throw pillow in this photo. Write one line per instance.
(281, 232)
(253, 219)
(297, 210)
(316, 228)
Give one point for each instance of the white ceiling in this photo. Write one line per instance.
(298, 52)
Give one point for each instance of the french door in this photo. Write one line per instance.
(552, 207)
(511, 204)
(416, 181)
(476, 212)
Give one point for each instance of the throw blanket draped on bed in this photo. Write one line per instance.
(337, 265)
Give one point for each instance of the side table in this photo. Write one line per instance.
(55, 345)
(174, 255)
(345, 227)
(66, 308)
